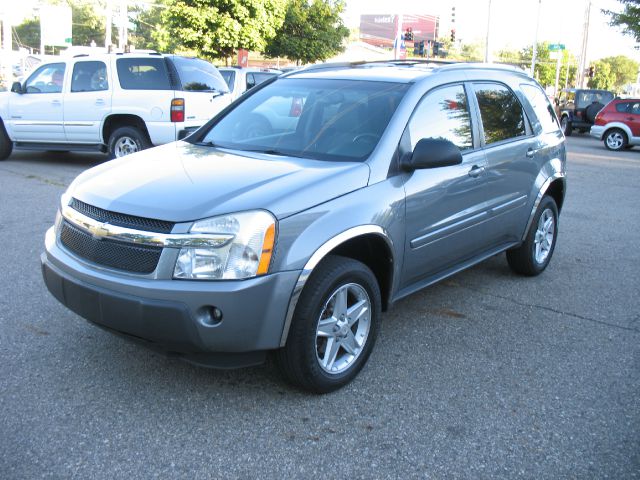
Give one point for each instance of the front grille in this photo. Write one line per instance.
(121, 219)
(122, 256)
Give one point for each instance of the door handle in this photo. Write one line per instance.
(531, 153)
(630, 119)
(55, 102)
(99, 101)
(476, 171)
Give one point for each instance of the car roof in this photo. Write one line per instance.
(401, 71)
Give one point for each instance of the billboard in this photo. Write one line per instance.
(55, 25)
(380, 30)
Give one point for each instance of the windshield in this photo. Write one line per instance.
(311, 118)
(198, 75)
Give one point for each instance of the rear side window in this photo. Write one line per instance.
(443, 113)
(501, 113)
(89, 77)
(143, 74)
(541, 106)
(623, 107)
(198, 75)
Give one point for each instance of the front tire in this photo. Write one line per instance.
(533, 256)
(334, 326)
(127, 140)
(6, 145)
(615, 140)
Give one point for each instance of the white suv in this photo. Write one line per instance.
(118, 103)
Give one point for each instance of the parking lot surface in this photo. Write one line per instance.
(485, 375)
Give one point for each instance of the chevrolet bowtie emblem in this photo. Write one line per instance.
(100, 231)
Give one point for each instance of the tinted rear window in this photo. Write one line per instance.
(143, 74)
(501, 112)
(541, 106)
(198, 75)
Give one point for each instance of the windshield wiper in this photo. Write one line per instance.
(271, 151)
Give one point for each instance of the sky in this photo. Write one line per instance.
(513, 22)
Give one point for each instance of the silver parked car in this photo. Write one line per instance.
(372, 182)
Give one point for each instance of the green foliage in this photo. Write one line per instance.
(150, 31)
(628, 19)
(311, 31)
(472, 52)
(602, 77)
(622, 70)
(545, 69)
(217, 28)
(27, 34)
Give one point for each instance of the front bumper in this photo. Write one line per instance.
(174, 315)
(597, 131)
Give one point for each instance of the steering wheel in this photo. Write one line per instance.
(369, 137)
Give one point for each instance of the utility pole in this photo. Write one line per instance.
(124, 27)
(585, 43)
(486, 43)
(399, 39)
(108, 21)
(7, 47)
(535, 43)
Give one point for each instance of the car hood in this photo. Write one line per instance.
(181, 182)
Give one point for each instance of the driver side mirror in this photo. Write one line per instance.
(433, 153)
(16, 87)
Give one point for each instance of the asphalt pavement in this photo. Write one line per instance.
(485, 375)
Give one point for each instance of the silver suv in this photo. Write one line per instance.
(374, 180)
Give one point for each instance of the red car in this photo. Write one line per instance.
(618, 124)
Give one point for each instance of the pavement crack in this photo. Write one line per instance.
(35, 177)
(553, 310)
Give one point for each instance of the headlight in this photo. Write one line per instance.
(246, 255)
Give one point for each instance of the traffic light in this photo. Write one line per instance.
(408, 34)
(421, 48)
(592, 71)
(436, 48)
(453, 34)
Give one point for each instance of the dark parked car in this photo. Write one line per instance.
(618, 124)
(373, 182)
(577, 108)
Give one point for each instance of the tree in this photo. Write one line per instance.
(623, 71)
(311, 31)
(628, 19)
(217, 28)
(472, 52)
(602, 77)
(27, 34)
(150, 30)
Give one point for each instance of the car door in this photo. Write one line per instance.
(512, 151)
(446, 206)
(632, 119)
(36, 115)
(87, 102)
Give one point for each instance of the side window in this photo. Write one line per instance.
(143, 74)
(541, 106)
(623, 107)
(46, 79)
(501, 113)
(635, 109)
(89, 77)
(251, 81)
(443, 113)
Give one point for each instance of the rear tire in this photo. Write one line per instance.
(334, 326)
(6, 145)
(533, 256)
(615, 140)
(127, 140)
